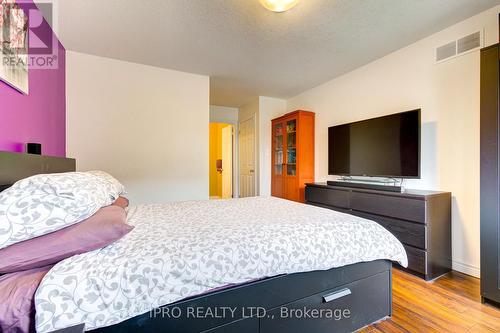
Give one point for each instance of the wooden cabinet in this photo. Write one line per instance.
(292, 154)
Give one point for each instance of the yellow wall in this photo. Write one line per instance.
(215, 153)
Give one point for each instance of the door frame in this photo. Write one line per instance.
(255, 158)
(235, 161)
(231, 164)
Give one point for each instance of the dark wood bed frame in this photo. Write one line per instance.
(341, 299)
(16, 166)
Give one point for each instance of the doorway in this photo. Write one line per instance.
(247, 158)
(221, 160)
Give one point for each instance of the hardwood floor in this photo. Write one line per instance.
(452, 303)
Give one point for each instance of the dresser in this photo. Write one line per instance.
(421, 220)
(292, 154)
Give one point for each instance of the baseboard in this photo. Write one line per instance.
(466, 268)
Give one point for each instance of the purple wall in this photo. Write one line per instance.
(39, 116)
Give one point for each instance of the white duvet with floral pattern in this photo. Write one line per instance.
(183, 249)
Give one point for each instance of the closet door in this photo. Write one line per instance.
(490, 188)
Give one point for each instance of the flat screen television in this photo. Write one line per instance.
(387, 146)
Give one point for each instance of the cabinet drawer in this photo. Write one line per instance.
(406, 232)
(417, 259)
(336, 209)
(351, 307)
(330, 197)
(399, 207)
(249, 325)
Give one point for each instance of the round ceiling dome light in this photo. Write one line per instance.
(279, 6)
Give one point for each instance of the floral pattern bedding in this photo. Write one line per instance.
(41, 204)
(184, 249)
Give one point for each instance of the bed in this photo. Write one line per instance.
(226, 266)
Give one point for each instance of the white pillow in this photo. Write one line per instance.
(42, 204)
(113, 187)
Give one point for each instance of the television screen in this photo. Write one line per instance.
(387, 146)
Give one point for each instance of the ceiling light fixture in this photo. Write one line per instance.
(279, 6)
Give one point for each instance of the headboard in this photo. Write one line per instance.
(16, 166)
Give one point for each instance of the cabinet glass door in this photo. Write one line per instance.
(278, 149)
(291, 148)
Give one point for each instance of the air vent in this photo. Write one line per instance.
(469, 43)
(446, 51)
(459, 47)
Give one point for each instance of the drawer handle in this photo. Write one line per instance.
(336, 295)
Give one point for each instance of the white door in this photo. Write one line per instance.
(227, 162)
(247, 157)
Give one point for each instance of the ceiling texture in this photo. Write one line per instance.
(249, 51)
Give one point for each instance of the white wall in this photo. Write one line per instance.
(248, 110)
(229, 115)
(146, 126)
(264, 109)
(447, 93)
(223, 114)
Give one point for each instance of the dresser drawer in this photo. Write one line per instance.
(353, 306)
(399, 207)
(417, 259)
(406, 232)
(329, 197)
(336, 209)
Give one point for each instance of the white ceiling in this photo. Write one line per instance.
(248, 51)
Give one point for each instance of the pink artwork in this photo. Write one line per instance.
(13, 45)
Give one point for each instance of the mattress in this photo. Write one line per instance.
(179, 250)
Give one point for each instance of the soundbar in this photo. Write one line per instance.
(388, 188)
